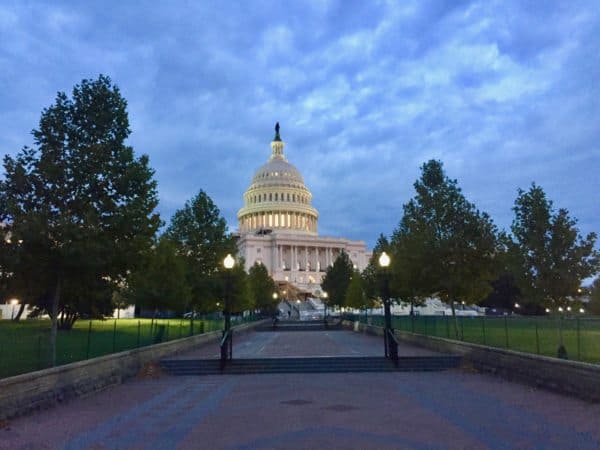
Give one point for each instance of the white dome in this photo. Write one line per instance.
(277, 198)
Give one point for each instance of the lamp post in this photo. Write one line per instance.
(226, 342)
(324, 296)
(391, 348)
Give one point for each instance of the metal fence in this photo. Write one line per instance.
(578, 335)
(25, 346)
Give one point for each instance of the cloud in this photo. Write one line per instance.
(504, 92)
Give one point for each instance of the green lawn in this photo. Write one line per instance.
(541, 335)
(24, 345)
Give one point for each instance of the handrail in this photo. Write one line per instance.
(392, 349)
(226, 345)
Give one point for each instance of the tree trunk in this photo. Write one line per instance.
(19, 313)
(54, 317)
(455, 319)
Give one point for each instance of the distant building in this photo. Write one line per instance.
(278, 227)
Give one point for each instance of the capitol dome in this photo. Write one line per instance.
(277, 198)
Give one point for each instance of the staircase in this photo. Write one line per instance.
(309, 365)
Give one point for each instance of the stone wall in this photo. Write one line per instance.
(31, 391)
(569, 377)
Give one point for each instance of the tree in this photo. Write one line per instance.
(552, 258)
(161, 282)
(594, 305)
(505, 293)
(201, 236)
(356, 296)
(262, 287)
(446, 247)
(372, 275)
(337, 279)
(81, 203)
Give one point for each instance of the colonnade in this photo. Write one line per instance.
(273, 219)
(304, 258)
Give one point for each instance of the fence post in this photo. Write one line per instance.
(115, 337)
(506, 329)
(139, 332)
(89, 337)
(483, 329)
(537, 339)
(412, 322)
(180, 327)
(448, 327)
(167, 333)
(578, 340)
(39, 351)
(462, 328)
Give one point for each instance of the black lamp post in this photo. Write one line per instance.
(391, 347)
(324, 296)
(226, 343)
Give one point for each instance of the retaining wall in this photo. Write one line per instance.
(569, 377)
(31, 391)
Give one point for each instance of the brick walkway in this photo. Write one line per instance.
(452, 409)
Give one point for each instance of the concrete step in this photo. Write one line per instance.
(308, 365)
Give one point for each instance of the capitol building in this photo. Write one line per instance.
(278, 227)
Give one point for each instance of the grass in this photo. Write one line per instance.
(540, 335)
(24, 345)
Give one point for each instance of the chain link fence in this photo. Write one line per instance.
(25, 345)
(579, 336)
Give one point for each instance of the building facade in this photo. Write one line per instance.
(278, 227)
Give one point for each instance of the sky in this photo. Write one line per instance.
(505, 93)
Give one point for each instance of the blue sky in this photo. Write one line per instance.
(503, 92)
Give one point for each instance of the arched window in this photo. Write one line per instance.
(270, 197)
(275, 196)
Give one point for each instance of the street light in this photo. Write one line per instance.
(324, 296)
(391, 348)
(226, 342)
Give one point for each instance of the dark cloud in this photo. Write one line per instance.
(505, 93)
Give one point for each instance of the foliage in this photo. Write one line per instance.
(81, 203)
(262, 287)
(505, 293)
(202, 238)
(372, 275)
(161, 282)
(337, 279)
(443, 246)
(233, 287)
(552, 258)
(355, 295)
(594, 304)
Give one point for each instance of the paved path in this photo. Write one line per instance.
(304, 343)
(451, 409)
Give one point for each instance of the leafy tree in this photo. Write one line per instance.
(505, 293)
(337, 279)
(201, 236)
(161, 282)
(372, 275)
(233, 285)
(262, 287)
(446, 247)
(594, 304)
(552, 257)
(81, 203)
(356, 296)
